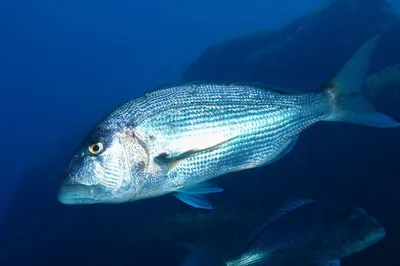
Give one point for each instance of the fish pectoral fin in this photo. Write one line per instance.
(202, 188)
(196, 196)
(330, 263)
(163, 159)
(170, 162)
(199, 201)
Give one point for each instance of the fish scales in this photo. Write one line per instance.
(263, 128)
(213, 115)
(174, 139)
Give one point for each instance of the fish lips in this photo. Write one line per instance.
(375, 236)
(74, 193)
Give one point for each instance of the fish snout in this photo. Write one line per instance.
(75, 193)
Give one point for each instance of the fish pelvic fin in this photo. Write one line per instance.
(196, 196)
(345, 92)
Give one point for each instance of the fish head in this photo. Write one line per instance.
(355, 229)
(105, 168)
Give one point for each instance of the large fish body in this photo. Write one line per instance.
(303, 232)
(173, 139)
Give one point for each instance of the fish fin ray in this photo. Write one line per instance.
(202, 188)
(251, 257)
(194, 84)
(198, 201)
(270, 87)
(345, 92)
(288, 149)
(196, 196)
(286, 208)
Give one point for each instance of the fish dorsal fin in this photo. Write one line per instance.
(266, 86)
(186, 83)
(288, 207)
(271, 87)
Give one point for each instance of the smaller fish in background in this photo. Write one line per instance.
(303, 232)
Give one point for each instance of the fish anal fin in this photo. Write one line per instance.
(290, 146)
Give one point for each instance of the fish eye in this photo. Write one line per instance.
(96, 148)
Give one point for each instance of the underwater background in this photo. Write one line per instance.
(64, 65)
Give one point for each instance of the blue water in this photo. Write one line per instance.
(66, 64)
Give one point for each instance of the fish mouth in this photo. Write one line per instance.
(372, 237)
(74, 193)
(376, 235)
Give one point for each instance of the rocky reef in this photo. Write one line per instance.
(306, 52)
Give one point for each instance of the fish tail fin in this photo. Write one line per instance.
(200, 257)
(345, 92)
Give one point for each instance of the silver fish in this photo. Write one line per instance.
(174, 139)
(302, 232)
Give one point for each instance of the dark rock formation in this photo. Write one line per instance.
(305, 53)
